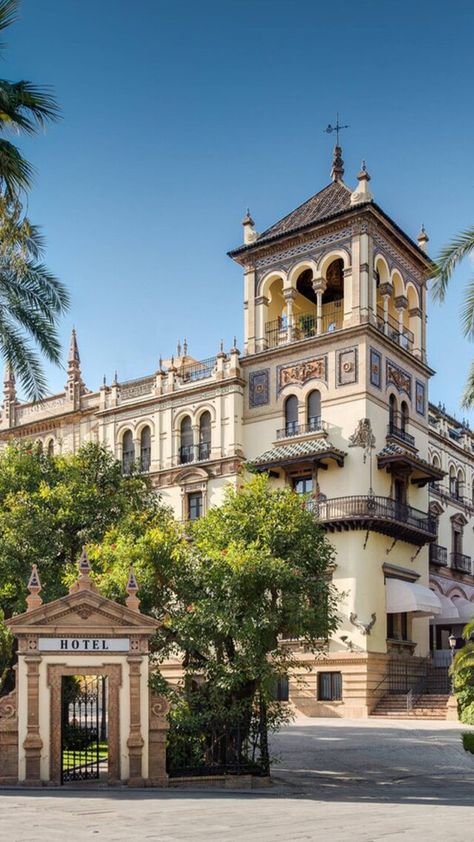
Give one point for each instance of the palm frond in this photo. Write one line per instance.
(447, 261)
(18, 352)
(8, 13)
(16, 174)
(467, 400)
(468, 630)
(25, 106)
(467, 311)
(464, 658)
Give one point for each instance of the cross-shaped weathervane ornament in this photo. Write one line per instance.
(337, 128)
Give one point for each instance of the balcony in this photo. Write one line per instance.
(281, 331)
(194, 453)
(391, 328)
(191, 372)
(378, 514)
(461, 562)
(292, 429)
(396, 429)
(438, 555)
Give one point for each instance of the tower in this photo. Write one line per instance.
(74, 387)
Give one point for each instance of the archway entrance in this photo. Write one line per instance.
(84, 728)
(82, 709)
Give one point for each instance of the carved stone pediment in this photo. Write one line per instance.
(83, 612)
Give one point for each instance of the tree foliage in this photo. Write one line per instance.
(463, 676)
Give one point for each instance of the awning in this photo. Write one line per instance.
(408, 597)
(449, 613)
(465, 608)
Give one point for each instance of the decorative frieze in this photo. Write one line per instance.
(299, 373)
(398, 377)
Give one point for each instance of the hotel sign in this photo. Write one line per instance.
(84, 644)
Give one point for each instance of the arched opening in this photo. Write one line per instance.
(128, 452)
(39, 446)
(460, 484)
(205, 435)
(51, 447)
(145, 449)
(333, 297)
(313, 410)
(404, 416)
(392, 412)
(186, 450)
(456, 483)
(291, 415)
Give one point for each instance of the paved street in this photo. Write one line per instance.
(337, 779)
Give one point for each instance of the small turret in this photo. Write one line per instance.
(362, 193)
(9, 396)
(250, 234)
(74, 386)
(423, 239)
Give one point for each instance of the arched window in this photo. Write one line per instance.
(313, 407)
(291, 415)
(460, 484)
(128, 452)
(205, 435)
(51, 447)
(404, 416)
(392, 410)
(186, 450)
(39, 446)
(145, 449)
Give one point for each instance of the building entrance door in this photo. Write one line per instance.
(84, 728)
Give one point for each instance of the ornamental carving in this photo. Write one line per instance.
(8, 706)
(363, 435)
(365, 628)
(299, 373)
(346, 366)
(398, 377)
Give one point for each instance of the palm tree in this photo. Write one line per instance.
(448, 260)
(31, 300)
(24, 107)
(464, 658)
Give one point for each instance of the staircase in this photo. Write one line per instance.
(399, 706)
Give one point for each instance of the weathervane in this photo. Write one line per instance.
(337, 128)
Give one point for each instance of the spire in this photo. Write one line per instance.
(132, 588)
(34, 587)
(423, 239)
(9, 383)
(74, 385)
(362, 193)
(337, 169)
(84, 581)
(250, 234)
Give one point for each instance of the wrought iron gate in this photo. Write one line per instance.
(83, 727)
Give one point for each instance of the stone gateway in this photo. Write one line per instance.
(82, 707)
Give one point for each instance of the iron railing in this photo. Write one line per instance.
(191, 372)
(194, 452)
(391, 328)
(305, 325)
(314, 425)
(438, 555)
(461, 562)
(397, 429)
(416, 677)
(235, 749)
(370, 507)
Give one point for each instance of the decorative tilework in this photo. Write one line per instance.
(420, 397)
(347, 366)
(375, 368)
(259, 387)
(397, 376)
(300, 372)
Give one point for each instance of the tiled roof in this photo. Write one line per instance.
(329, 201)
(295, 450)
(393, 449)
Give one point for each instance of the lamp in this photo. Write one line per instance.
(452, 640)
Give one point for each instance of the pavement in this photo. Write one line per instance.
(362, 780)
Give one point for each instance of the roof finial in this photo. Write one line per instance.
(250, 234)
(34, 586)
(178, 348)
(84, 581)
(132, 589)
(337, 169)
(362, 193)
(423, 239)
(185, 348)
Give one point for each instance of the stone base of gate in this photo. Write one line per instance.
(8, 739)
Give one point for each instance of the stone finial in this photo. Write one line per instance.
(337, 169)
(34, 586)
(75, 386)
(132, 589)
(423, 239)
(362, 193)
(9, 394)
(250, 234)
(84, 581)
(178, 349)
(185, 348)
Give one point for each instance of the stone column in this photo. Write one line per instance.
(415, 313)
(386, 291)
(32, 743)
(289, 295)
(249, 307)
(261, 314)
(158, 726)
(319, 286)
(135, 740)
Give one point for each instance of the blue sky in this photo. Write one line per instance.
(177, 115)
